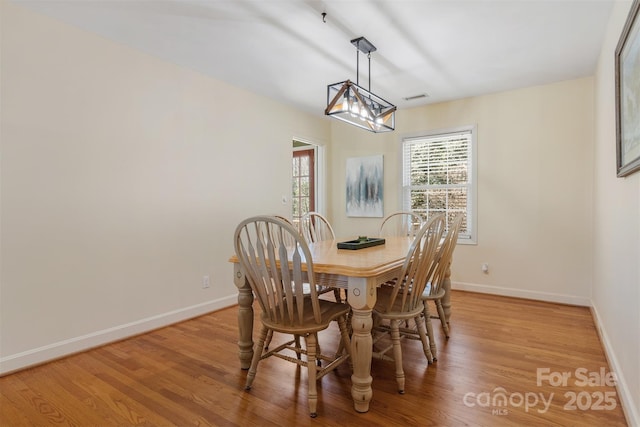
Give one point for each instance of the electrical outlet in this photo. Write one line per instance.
(205, 282)
(485, 267)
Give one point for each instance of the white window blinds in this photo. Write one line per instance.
(438, 177)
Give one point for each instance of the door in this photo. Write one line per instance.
(303, 185)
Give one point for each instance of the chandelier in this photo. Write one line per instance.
(349, 102)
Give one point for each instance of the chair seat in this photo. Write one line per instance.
(383, 310)
(330, 311)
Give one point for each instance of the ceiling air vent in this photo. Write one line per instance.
(411, 98)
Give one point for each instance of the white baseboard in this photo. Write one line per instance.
(630, 409)
(521, 293)
(70, 346)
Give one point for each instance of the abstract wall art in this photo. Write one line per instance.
(365, 177)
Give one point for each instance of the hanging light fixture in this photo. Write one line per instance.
(349, 102)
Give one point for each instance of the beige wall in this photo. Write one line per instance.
(123, 178)
(616, 248)
(535, 173)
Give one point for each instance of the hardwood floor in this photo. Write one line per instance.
(188, 374)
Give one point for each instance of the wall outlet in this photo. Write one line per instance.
(205, 282)
(485, 268)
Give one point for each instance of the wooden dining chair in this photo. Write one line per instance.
(289, 241)
(276, 274)
(315, 228)
(434, 291)
(402, 300)
(401, 223)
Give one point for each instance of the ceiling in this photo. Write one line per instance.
(283, 49)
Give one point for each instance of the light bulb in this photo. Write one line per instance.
(354, 109)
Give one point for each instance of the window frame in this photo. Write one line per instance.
(470, 238)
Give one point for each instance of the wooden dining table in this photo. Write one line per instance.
(361, 271)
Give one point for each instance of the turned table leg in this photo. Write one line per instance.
(245, 317)
(362, 298)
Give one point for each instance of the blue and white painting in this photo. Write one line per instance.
(365, 179)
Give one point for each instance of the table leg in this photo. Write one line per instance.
(245, 317)
(446, 299)
(361, 345)
(362, 298)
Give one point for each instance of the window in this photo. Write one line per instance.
(439, 176)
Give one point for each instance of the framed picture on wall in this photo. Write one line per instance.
(627, 74)
(365, 176)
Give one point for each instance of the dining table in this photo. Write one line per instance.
(360, 272)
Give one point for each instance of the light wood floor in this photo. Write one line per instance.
(188, 374)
